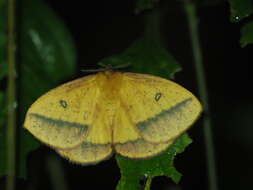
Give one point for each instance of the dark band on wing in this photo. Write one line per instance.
(142, 125)
(129, 142)
(57, 122)
(87, 153)
(90, 144)
(140, 149)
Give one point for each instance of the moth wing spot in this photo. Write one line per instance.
(158, 95)
(63, 103)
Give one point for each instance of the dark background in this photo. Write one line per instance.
(104, 28)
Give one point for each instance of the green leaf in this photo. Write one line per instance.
(240, 9)
(246, 34)
(47, 57)
(146, 56)
(162, 165)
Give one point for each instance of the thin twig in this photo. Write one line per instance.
(190, 11)
(11, 98)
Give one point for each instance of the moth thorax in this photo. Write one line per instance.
(112, 84)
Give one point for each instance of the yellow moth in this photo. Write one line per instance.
(134, 115)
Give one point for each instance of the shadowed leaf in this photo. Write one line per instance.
(247, 34)
(240, 9)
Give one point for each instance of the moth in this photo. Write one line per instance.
(134, 115)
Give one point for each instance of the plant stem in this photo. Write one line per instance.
(11, 98)
(152, 29)
(148, 183)
(56, 173)
(190, 11)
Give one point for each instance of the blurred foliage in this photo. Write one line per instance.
(247, 34)
(2, 115)
(3, 67)
(3, 73)
(142, 5)
(2, 132)
(240, 9)
(132, 171)
(47, 56)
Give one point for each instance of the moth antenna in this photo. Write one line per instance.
(103, 65)
(94, 70)
(122, 66)
(106, 67)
